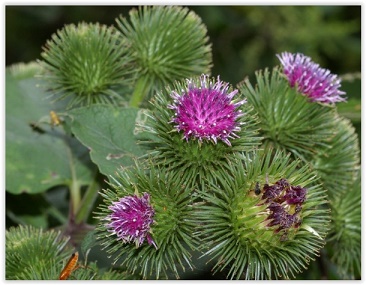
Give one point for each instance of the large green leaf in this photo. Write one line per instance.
(41, 156)
(110, 133)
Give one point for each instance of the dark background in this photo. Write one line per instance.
(244, 38)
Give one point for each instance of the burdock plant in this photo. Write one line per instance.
(339, 165)
(33, 254)
(253, 179)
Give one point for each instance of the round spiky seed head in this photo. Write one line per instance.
(86, 64)
(337, 166)
(167, 43)
(271, 235)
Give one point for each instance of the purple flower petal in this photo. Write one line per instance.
(317, 83)
(207, 111)
(131, 219)
(284, 205)
(295, 195)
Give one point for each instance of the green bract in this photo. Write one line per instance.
(234, 232)
(167, 44)
(337, 166)
(87, 63)
(32, 254)
(344, 240)
(172, 230)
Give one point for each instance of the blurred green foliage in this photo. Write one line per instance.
(244, 38)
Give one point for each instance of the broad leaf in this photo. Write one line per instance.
(38, 156)
(110, 133)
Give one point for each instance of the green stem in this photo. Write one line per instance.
(75, 195)
(88, 201)
(140, 91)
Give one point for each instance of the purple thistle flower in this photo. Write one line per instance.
(207, 111)
(131, 218)
(273, 193)
(284, 204)
(295, 195)
(318, 84)
(279, 216)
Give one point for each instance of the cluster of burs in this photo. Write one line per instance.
(255, 180)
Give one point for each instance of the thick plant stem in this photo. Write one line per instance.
(140, 91)
(87, 202)
(75, 195)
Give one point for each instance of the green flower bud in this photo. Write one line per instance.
(167, 43)
(32, 254)
(264, 219)
(86, 63)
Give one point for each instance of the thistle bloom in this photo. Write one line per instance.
(207, 111)
(131, 219)
(284, 205)
(318, 84)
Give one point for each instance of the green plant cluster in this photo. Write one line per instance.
(90, 123)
